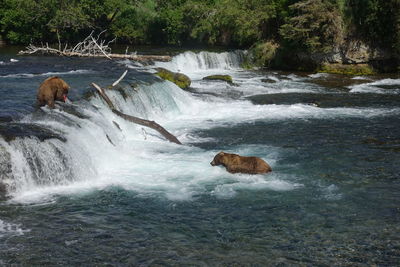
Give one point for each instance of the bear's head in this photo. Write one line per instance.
(218, 159)
(62, 91)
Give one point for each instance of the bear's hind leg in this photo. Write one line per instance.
(50, 103)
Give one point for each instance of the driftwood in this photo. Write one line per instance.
(89, 47)
(151, 124)
(120, 78)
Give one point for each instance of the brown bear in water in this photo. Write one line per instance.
(239, 164)
(50, 90)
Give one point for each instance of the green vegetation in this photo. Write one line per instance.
(315, 25)
(271, 27)
(354, 69)
(264, 53)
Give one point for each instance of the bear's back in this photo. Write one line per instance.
(54, 83)
(254, 164)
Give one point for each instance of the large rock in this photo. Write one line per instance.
(225, 78)
(13, 130)
(179, 79)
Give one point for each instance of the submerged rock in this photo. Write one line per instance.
(11, 131)
(225, 78)
(179, 79)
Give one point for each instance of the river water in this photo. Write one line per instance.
(81, 191)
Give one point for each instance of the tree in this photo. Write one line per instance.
(68, 20)
(314, 25)
(22, 20)
(375, 21)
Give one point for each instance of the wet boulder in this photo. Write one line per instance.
(179, 79)
(11, 131)
(224, 78)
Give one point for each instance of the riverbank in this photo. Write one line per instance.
(353, 58)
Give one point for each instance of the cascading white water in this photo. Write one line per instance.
(91, 141)
(97, 153)
(190, 61)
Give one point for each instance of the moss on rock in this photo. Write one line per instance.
(225, 78)
(179, 79)
(348, 69)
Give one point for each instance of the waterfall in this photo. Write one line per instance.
(76, 142)
(191, 62)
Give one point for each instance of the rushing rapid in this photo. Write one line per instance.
(329, 142)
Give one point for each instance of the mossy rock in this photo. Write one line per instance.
(225, 78)
(179, 79)
(347, 69)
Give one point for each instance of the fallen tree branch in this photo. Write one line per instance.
(120, 78)
(104, 96)
(89, 47)
(100, 48)
(151, 124)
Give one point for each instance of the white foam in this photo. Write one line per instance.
(295, 77)
(253, 183)
(30, 75)
(11, 229)
(361, 78)
(203, 115)
(332, 192)
(373, 87)
(163, 170)
(132, 64)
(319, 75)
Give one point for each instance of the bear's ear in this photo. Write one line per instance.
(221, 153)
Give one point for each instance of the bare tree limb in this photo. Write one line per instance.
(151, 124)
(101, 50)
(104, 96)
(120, 78)
(89, 47)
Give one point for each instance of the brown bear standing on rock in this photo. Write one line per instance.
(239, 164)
(50, 90)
